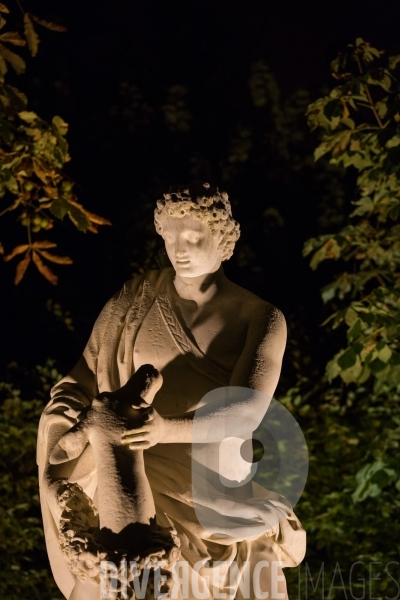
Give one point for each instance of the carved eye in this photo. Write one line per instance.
(193, 237)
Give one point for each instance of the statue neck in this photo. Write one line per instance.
(199, 289)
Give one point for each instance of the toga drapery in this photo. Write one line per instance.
(107, 364)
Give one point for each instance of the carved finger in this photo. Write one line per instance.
(134, 437)
(70, 445)
(136, 431)
(139, 445)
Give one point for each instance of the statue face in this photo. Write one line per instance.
(191, 248)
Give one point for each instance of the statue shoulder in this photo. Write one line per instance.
(153, 277)
(256, 310)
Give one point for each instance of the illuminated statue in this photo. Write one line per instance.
(115, 441)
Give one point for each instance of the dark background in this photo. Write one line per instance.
(120, 169)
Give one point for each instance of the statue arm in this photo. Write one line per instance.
(258, 368)
(260, 363)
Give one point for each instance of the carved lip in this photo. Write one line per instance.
(184, 261)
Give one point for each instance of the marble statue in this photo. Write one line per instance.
(114, 445)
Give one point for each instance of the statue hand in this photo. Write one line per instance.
(148, 434)
(110, 415)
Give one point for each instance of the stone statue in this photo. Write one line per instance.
(114, 446)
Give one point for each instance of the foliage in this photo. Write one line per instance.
(32, 156)
(351, 503)
(359, 121)
(350, 506)
(23, 554)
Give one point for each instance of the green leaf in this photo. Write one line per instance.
(332, 369)
(350, 317)
(347, 359)
(385, 354)
(376, 365)
(393, 142)
(80, 220)
(59, 208)
(394, 359)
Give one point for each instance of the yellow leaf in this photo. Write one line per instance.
(17, 250)
(44, 269)
(12, 37)
(40, 170)
(51, 192)
(48, 24)
(60, 260)
(17, 63)
(28, 116)
(31, 36)
(346, 112)
(94, 218)
(44, 244)
(3, 8)
(1, 248)
(21, 268)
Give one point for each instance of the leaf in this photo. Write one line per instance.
(28, 116)
(393, 142)
(1, 248)
(40, 171)
(355, 330)
(48, 24)
(350, 317)
(352, 374)
(31, 36)
(79, 218)
(332, 369)
(50, 191)
(393, 61)
(376, 365)
(44, 244)
(17, 250)
(12, 37)
(347, 359)
(59, 208)
(21, 268)
(44, 269)
(94, 218)
(16, 96)
(3, 8)
(385, 354)
(17, 63)
(60, 260)
(60, 125)
(3, 67)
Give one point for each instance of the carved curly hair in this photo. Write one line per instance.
(205, 203)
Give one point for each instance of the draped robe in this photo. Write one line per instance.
(108, 361)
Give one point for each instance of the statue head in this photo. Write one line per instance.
(196, 223)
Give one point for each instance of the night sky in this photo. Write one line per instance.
(209, 48)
